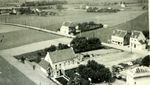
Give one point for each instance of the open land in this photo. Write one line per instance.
(18, 36)
(9, 75)
(139, 23)
(119, 20)
(74, 15)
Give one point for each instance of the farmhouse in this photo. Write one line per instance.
(67, 27)
(59, 61)
(138, 76)
(137, 40)
(120, 37)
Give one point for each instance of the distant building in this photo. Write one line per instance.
(59, 61)
(138, 76)
(123, 5)
(137, 40)
(67, 27)
(120, 37)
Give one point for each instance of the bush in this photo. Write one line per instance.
(42, 3)
(102, 10)
(146, 61)
(81, 44)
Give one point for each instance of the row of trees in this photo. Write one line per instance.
(54, 48)
(102, 10)
(89, 26)
(92, 72)
(81, 44)
(43, 3)
(85, 26)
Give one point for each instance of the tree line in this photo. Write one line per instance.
(85, 26)
(43, 3)
(102, 10)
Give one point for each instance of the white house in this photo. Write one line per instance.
(138, 76)
(120, 37)
(137, 40)
(67, 27)
(59, 61)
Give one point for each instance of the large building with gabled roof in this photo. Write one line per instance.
(59, 61)
(138, 76)
(120, 37)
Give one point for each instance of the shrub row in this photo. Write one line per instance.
(42, 3)
(102, 10)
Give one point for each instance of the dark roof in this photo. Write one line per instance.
(119, 33)
(139, 70)
(44, 64)
(142, 42)
(69, 24)
(62, 55)
(135, 34)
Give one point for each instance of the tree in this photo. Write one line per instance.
(146, 33)
(62, 46)
(146, 61)
(51, 48)
(97, 72)
(78, 80)
(81, 44)
(59, 7)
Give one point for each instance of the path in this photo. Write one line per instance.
(25, 69)
(37, 46)
(126, 48)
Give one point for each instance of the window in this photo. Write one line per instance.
(59, 65)
(55, 66)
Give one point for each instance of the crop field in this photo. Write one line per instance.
(22, 36)
(9, 75)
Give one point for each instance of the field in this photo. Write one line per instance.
(9, 75)
(74, 15)
(140, 23)
(21, 36)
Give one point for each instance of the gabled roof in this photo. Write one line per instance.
(140, 71)
(135, 34)
(142, 42)
(69, 24)
(44, 64)
(119, 33)
(62, 55)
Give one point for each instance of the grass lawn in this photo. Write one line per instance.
(22, 37)
(140, 23)
(8, 28)
(9, 75)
